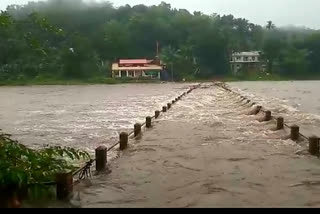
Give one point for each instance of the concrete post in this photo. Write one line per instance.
(280, 123)
(268, 116)
(295, 132)
(13, 202)
(64, 185)
(101, 158)
(137, 129)
(257, 110)
(314, 145)
(148, 122)
(157, 114)
(124, 138)
(164, 109)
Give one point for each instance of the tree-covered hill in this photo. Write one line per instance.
(74, 40)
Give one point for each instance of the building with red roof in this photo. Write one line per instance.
(137, 68)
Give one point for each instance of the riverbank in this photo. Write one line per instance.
(110, 81)
(270, 77)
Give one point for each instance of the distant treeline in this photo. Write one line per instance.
(72, 39)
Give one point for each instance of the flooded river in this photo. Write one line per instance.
(87, 116)
(297, 101)
(205, 152)
(79, 116)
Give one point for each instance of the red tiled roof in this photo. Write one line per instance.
(116, 67)
(133, 61)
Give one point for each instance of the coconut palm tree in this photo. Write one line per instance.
(270, 25)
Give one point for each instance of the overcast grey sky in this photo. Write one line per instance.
(281, 12)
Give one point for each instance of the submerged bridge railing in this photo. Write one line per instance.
(295, 133)
(65, 181)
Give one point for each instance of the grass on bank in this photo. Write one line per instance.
(107, 81)
(111, 81)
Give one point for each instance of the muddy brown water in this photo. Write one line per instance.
(83, 117)
(297, 101)
(205, 152)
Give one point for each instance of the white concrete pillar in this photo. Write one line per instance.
(159, 75)
(127, 73)
(119, 73)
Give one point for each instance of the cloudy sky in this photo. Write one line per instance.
(281, 12)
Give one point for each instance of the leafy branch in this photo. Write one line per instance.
(21, 166)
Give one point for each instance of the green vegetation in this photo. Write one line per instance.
(26, 169)
(74, 42)
(90, 81)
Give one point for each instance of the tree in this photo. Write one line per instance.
(180, 61)
(294, 62)
(37, 39)
(312, 44)
(272, 52)
(270, 25)
(5, 20)
(79, 61)
(116, 40)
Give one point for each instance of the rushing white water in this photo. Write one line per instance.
(207, 152)
(88, 116)
(297, 101)
(80, 116)
(205, 145)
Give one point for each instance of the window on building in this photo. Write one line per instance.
(238, 58)
(246, 58)
(253, 58)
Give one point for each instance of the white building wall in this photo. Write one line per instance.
(246, 57)
(239, 59)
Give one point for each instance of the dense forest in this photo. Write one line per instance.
(74, 40)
